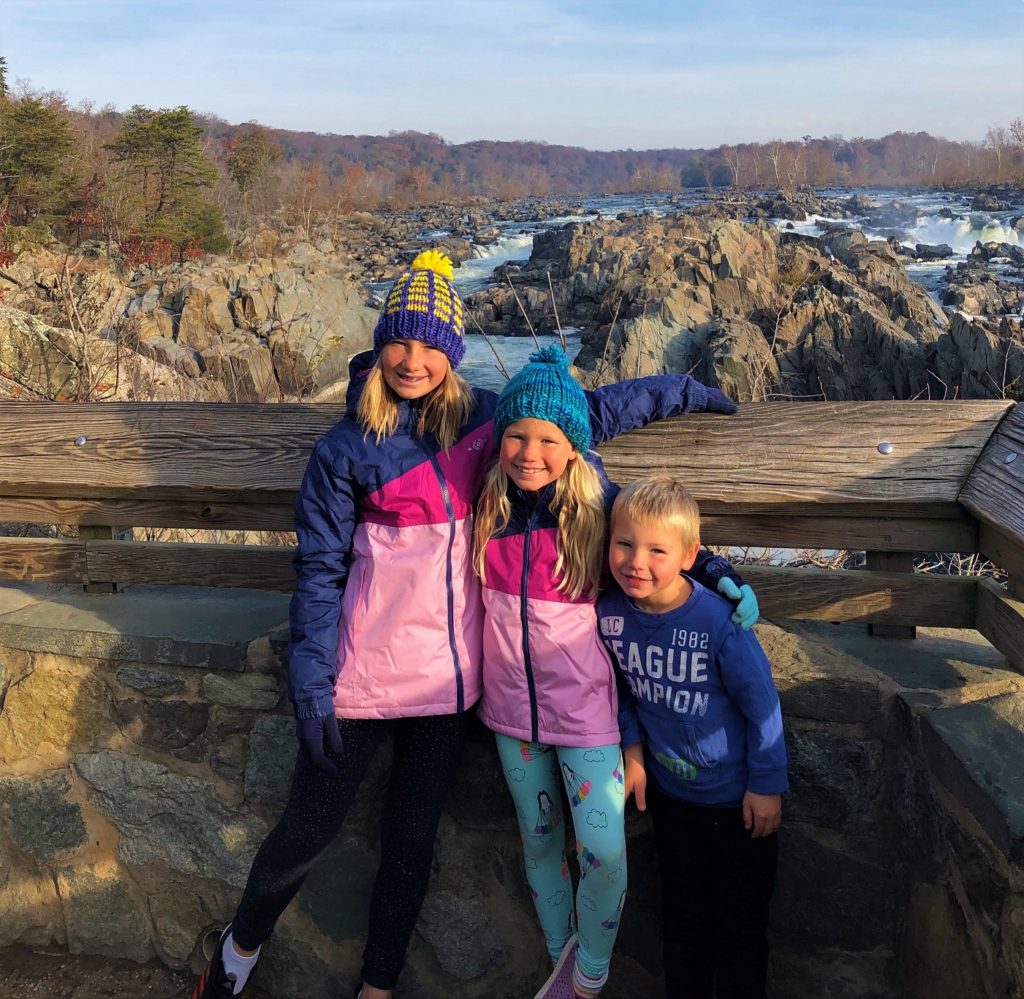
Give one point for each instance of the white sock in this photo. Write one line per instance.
(237, 967)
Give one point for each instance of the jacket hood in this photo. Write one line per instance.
(359, 366)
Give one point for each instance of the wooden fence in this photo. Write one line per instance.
(889, 478)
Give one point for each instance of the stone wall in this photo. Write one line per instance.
(134, 793)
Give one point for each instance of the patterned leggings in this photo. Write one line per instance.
(594, 785)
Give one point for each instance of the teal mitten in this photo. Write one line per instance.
(747, 611)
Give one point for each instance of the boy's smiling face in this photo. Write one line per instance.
(647, 560)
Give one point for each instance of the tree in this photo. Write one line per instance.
(168, 171)
(3, 79)
(251, 159)
(36, 173)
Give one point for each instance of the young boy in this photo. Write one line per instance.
(700, 717)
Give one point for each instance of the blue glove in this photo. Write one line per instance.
(696, 397)
(312, 732)
(719, 402)
(747, 611)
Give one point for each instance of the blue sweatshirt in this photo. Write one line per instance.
(699, 694)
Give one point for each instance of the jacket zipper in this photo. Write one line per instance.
(524, 624)
(450, 510)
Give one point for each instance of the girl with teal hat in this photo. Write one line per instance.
(549, 689)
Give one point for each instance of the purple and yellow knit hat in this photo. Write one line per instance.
(424, 305)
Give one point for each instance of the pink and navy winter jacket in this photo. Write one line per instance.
(547, 675)
(386, 618)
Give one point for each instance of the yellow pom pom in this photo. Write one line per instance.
(436, 261)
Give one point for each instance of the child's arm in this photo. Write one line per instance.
(636, 775)
(717, 573)
(747, 677)
(324, 522)
(631, 735)
(762, 813)
(616, 409)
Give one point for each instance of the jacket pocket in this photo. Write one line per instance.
(703, 748)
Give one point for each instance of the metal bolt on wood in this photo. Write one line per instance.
(885, 448)
(80, 441)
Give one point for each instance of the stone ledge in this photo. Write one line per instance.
(204, 627)
(977, 751)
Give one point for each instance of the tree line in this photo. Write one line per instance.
(166, 184)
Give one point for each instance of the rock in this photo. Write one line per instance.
(853, 909)
(181, 358)
(835, 781)
(103, 912)
(205, 313)
(741, 361)
(152, 682)
(336, 896)
(29, 356)
(984, 202)
(457, 927)
(272, 748)
(251, 691)
(162, 724)
(177, 820)
(926, 251)
(42, 821)
(30, 911)
(245, 369)
(57, 705)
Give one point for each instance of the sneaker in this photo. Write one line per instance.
(215, 982)
(559, 984)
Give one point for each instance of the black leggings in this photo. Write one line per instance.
(426, 754)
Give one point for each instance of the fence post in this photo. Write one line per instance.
(890, 562)
(96, 533)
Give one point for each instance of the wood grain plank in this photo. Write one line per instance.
(994, 490)
(801, 455)
(1002, 550)
(42, 560)
(1000, 619)
(141, 513)
(958, 534)
(795, 456)
(816, 594)
(844, 595)
(252, 566)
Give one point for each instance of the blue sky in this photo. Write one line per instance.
(593, 73)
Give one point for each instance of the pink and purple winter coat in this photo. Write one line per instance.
(547, 675)
(387, 619)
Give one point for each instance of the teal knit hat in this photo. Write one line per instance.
(544, 389)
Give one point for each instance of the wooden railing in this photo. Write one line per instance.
(889, 478)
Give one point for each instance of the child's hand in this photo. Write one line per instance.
(747, 611)
(636, 775)
(762, 813)
(312, 732)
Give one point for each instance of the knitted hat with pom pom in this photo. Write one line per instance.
(544, 389)
(424, 305)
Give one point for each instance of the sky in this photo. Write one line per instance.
(602, 74)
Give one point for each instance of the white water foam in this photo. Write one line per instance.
(475, 273)
(962, 234)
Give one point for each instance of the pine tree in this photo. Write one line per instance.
(36, 169)
(169, 171)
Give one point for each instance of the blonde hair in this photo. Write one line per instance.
(579, 504)
(659, 499)
(444, 412)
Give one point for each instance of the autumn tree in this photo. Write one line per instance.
(251, 161)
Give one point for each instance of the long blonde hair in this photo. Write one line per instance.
(444, 413)
(579, 504)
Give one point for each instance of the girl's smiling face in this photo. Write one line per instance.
(412, 368)
(534, 453)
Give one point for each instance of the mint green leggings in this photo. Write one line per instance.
(594, 785)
